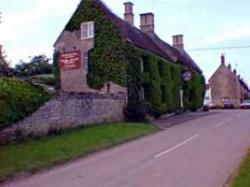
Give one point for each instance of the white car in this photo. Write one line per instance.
(245, 104)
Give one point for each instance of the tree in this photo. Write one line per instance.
(37, 65)
(5, 69)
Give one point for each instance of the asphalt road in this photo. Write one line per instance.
(202, 152)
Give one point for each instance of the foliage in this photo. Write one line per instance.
(195, 92)
(160, 80)
(5, 69)
(54, 149)
(37, 65)
(56, 70)
(18, 99)
(136, 109)
(108, 62)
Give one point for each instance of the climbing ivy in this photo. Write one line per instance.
(159, 78)
(108, 62)
(56, 69)
(195, 92)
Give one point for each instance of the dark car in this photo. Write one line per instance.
(228, 104)
(245, 104)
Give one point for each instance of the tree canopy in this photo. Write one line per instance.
(37, 65)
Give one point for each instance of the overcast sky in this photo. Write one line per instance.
(30, 27)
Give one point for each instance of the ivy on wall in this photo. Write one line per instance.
(195, 91)
(108, 62)
(56, 69)
(159, 78)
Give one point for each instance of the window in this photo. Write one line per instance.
(86, 60)
(145, 66)
(87, 30)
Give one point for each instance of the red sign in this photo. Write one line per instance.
(70, 60)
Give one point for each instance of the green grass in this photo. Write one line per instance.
(36, 154)
(242, 179)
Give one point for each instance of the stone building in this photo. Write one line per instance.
(226, 85)
(74, 47)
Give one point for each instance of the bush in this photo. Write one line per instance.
(18, 99)
(195, 92)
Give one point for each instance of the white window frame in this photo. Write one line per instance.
(90, 30)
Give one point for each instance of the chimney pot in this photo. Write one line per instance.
(222, 59)
(229, 67)
(147, 23)
(178, 42)
(235, 72)
(129, 15)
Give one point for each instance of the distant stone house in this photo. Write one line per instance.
(91, 35)
(225, 84)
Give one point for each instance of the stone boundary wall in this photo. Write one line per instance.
(69, 110)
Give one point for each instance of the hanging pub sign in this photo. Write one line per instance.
(70, 60)
(187, 76)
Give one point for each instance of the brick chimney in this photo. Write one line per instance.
(229, 67)
(178, 42)
(129, 15)
(147, 23)
(222, 59)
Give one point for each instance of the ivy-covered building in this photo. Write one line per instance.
(102, 53)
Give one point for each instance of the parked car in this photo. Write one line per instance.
(245, 104)
(206, 104)
(228, 104)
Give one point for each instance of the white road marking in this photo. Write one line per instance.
(176, 146)
(223, 123)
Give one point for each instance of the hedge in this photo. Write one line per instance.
(18, 99)
(195, 91)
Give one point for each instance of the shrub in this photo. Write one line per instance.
(195, 92)
(18, 99)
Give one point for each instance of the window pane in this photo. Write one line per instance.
(84, 30)
(91, 29)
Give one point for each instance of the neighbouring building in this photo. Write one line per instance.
(225, 84)
(99, 52)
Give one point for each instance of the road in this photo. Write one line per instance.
(202, 152)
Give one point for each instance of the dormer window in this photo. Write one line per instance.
(87, 30)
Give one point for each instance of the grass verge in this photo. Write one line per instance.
(32, 155)
(242, 178)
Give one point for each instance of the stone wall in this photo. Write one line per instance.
(68, 110)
